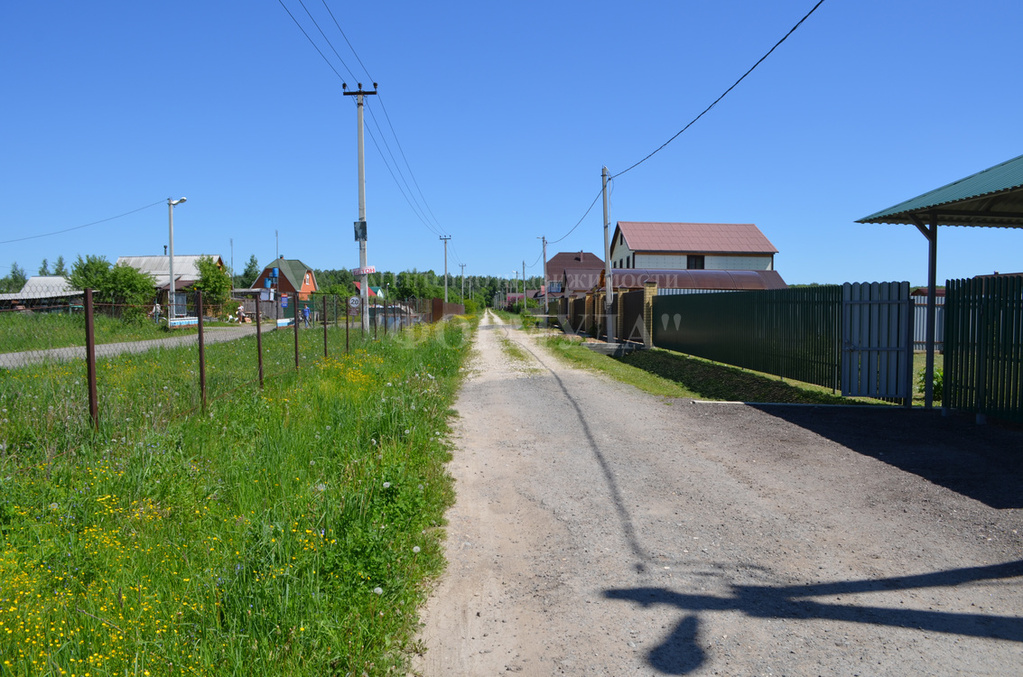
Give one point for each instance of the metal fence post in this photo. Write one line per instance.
(90, 360)
(259, 343)
(325, 327)
(297, 304)
(202, 351)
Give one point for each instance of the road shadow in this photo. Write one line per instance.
(680, 653)
(983, 462)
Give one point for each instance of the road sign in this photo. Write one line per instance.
(354, 301)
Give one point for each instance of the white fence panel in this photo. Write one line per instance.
(877, 341)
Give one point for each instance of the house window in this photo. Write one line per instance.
(694, 262)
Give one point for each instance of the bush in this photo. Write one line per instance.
(938, 383)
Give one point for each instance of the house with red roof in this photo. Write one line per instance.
(691, 246)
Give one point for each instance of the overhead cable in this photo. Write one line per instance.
(734, 84)
(86, 225)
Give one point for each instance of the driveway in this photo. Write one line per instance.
(602, 531)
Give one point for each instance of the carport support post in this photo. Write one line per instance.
(932, 265)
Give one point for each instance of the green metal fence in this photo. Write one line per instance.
(984, 346)
(794, 333)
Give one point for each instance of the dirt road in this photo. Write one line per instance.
(602, 531)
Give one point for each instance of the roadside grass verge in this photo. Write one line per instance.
(20, 332)
(668, 374)
(291, 530)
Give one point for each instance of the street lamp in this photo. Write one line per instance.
(171, 293)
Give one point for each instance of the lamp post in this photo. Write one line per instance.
(171, 293)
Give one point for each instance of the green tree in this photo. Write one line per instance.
(44, 269)
(58, 267)
(130, 290)
(89, 273)
(15, 280)
(127, 291)
(251, 272)
(214, 282)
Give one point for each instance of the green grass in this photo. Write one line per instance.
(668, 374)
(41, 331)
(290, 530)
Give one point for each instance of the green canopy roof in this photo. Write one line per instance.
(992, 198)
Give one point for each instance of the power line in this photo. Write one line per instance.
(734, 85)
(86, 225)
(400, 189)
(329, 44)
(579, 222)
(318, 50)
(371, 79)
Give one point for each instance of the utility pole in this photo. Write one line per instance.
(523, 286)
(607, 262)
(445, 238)
(360, 225)
(463, 281)
(546, 282)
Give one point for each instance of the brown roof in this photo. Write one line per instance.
(724, 280)
(564, 261)
(695, 238)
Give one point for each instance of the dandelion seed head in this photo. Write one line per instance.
(415, 549)
(378, 590)
(387, 485)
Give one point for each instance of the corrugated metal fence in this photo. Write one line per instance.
(794, 333)
(984, 346)
(877, 346)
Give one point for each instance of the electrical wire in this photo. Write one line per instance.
(350, 46)
(419, 210)
(579, 222)
(734, 85)
(329, 44)
(86, 225)
(436, 229)
(318, 50)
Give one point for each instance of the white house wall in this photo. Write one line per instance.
(710, 262)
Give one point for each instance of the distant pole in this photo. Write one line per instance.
(360, 225)
(277, 245)
(171, 295)
(523, 286)
(607, 262)
(463, 281)
(445, 238)
(231, 240)
(546, 306)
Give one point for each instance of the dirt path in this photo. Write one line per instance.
(602, 531)
(212, 335)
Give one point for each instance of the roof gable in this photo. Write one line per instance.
(291, 269)
(694, 238)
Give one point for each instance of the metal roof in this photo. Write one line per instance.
(694, 238)
(992, 198)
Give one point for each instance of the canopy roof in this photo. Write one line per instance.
(991, 198)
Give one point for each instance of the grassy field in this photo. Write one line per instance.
(290, 530)
(41, 331)
(668, 374)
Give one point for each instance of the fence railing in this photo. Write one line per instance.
(55, 339)
(983, 368)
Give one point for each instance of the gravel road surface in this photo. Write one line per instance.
(602, 531)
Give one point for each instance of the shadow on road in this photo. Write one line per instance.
(982, 462)
(681, 652)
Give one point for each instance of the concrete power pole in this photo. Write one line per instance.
(523, 286)
(546, 282)
(607, 263)
(360, 225)
(445, 238)
(462, 265)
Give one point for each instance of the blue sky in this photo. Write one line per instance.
(505, 113)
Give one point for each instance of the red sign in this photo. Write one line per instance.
(364, 271)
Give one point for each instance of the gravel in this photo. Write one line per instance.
(599, 530)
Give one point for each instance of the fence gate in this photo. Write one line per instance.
(877, 341)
